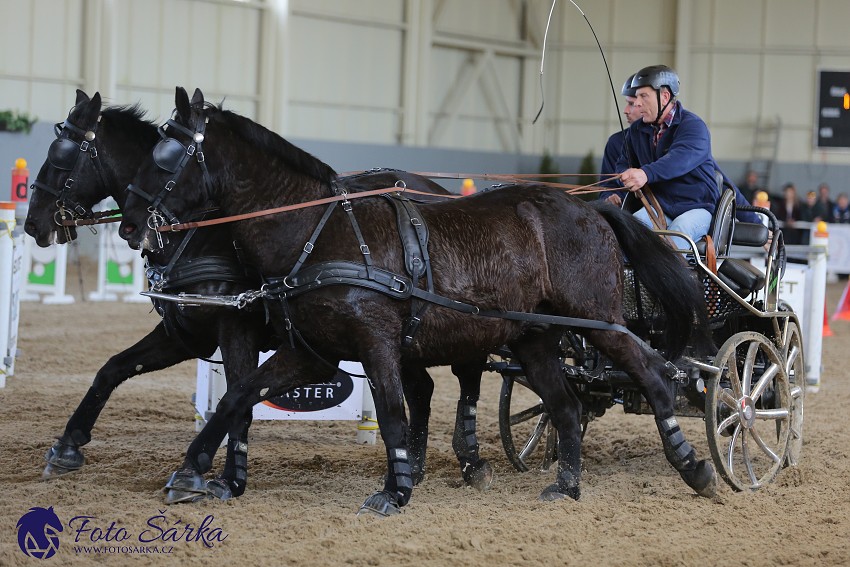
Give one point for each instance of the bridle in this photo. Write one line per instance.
(64, 154)
(172, 156)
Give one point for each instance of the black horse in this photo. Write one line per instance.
(508, 266)
(95, 155)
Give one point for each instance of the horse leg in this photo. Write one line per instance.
(476, 471)
(383, 367)
(418, 389)
(285, 370)
(538, 355)
(239, 342)
(154, 352)
(649, 370)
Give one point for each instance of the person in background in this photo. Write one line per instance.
(807, 209)
(788, 209)
(614, 146)
(823, 208)
(750, 186)
(841, 210)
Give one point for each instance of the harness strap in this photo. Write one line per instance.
(310, 244)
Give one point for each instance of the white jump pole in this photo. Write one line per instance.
(11, 268)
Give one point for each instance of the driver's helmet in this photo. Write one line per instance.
(657, 76)
(627, 88)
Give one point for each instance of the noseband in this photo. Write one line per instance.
(172, 156)
(64, 154)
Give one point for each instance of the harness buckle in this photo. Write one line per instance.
(200, 157)
(170, 185)
(84, 146)
(402, 285)
(364, 249)
(190, 149)
(69, 182)
(93, 152)
(346, 206)
(308, 247)
(415, 221)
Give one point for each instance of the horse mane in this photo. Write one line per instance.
(128, 116)
(274, 144)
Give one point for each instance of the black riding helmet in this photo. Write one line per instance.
(628, 90)
(657, 77)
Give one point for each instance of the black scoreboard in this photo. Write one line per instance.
(833, 122)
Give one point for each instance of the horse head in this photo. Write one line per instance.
(203, 158)
(95, 153)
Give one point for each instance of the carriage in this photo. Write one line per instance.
(756, 379)
(750, 393)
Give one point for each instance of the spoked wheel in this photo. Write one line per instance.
(529, 439)
(748, 411)
(792, 352)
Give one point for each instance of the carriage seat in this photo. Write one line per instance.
(725, 230)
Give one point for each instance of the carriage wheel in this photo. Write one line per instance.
(529, 439)
(748, 411)
(795, 367)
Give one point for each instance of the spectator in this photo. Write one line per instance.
(823, 208)
(788, 209)
(841, 210)
(750, 186)
(807, 209)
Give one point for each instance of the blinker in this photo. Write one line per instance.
(168, 154)
(63, 153)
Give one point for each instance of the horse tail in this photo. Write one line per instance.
(665, 276)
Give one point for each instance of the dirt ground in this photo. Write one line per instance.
(307, 479)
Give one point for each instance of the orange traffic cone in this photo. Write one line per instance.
(827, 332)
(843, 310)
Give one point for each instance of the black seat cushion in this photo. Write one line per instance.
(741, 276)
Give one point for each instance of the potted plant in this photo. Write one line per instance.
(14, 121)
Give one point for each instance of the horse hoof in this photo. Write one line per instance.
(702, 479)
(479, 476)
(185, 486)
(554, 492)
(219, 488)
(54, 471)
(61, 460)
(380, 504)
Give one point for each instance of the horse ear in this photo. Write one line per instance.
(198, 98)
(81, 97)
(96, 102)
(181, 102)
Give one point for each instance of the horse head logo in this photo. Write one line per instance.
(38, 532)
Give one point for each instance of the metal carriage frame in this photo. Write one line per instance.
(750, 393)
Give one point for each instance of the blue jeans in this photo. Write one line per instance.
(694, 223)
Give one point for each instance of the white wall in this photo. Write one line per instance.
(442, 73)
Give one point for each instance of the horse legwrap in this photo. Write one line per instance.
(464, 441)
(677, 450)
(401, 474)
(239, 477)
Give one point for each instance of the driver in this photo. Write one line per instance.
(669, 149)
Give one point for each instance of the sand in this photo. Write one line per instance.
(307, 479)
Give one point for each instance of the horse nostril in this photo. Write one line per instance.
(128, 229)
(29, 228)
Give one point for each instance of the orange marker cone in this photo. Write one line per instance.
(827, 332)
(843, 310)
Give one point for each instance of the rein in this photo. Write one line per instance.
(403, 189)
